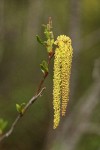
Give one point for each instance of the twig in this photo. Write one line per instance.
(31, 101)
(46, 74)
(42, 81)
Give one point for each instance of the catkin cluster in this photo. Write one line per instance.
(61, 79)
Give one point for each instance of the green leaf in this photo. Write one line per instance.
(3, 125)
(39, 40)
(44, 67)
(18, 107)
(22, 107)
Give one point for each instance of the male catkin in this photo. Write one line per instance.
(62, 70)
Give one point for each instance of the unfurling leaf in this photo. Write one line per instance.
(18, 107)
(3, 125)
(22, 107)
(39, 40)
(44, 67)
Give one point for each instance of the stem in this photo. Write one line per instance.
(30, 102)
(46, 74)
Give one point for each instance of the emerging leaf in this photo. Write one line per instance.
(3, 125)
(44, 67)
(22, 107)
(18, 107)
(39, 40)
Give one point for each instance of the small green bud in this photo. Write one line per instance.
(44, 67)
(3, 125)
(20, 108)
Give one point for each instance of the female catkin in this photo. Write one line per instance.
(62, 70)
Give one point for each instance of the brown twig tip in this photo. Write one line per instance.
(44, 88)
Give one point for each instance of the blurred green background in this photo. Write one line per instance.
(20, 58)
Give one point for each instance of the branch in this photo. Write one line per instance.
(31, 101)
(49, 47)
(46, 74)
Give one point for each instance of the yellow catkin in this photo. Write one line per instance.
(65, 72)
(62, 70)
(56, 88)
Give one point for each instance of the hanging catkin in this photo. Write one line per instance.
(62, 70)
